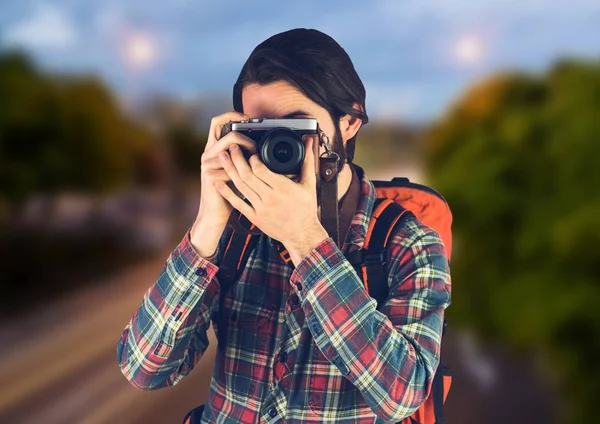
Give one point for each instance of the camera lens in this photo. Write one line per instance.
(282, 152)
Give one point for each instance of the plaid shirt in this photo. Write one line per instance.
(304, 345)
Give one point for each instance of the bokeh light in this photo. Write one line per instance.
(469, 49)
(140, 50)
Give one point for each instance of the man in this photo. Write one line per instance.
(305, 343)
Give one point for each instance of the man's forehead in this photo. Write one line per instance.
(275, 100)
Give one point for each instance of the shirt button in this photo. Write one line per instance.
(272, 412)
(314, 326)
(201, 272)
(299, 286)
(295, 299)
(283, 357)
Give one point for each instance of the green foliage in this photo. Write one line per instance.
(183, 133)
(518, 159)
(187, 145)
(61, 133)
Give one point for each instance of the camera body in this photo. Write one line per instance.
(280, 143)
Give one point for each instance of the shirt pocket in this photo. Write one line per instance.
(248, 303)
(247, 315)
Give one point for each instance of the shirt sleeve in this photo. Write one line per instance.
(167, 335)
(390, 355)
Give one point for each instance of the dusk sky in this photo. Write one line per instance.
(414, 56)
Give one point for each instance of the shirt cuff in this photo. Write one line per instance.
(315, 266)
(188, 263)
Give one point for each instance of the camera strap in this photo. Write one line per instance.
(328, 167)
(342, 211)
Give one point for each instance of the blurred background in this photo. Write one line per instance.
(104, 108)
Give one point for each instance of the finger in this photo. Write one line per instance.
(211, 164)
(235, 201)
(263, 173)
(308, 176)
(217, 123)
(227, 141)
(240, 139)
(246, 174)
(217, 174)
(239, 183)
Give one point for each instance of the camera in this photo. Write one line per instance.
(279, 142)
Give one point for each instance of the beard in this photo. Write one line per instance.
(338, 147)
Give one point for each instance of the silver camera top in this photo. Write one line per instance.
(303, 124)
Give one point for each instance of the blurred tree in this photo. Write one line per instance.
(62, 133)
(181, 130)
(182, 142)
(389, 145)
(187, 145)
(517, 158)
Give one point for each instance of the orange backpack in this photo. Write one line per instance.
(396, 199)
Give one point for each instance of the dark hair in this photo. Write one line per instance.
(314, 63)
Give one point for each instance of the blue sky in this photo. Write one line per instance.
(414, 56)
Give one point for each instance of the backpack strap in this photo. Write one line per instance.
(371, 261)
(387, 214)
(235, 256)
(442, 381)
(437, 393)
(194, 416)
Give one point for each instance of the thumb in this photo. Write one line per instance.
(308, 176)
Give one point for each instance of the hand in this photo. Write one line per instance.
(282, 209)
(211, 202)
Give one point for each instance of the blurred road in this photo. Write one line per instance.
(59, 367)
(59, 363)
